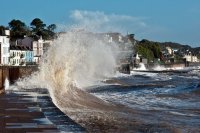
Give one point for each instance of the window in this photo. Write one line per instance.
(5, 50)
(6, 60)
(35, 53)
(3, 60)
(40, 52)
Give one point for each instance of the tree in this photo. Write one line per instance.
(37, 24)
(145, 52)
(148, 49)
(40, 29)
(2, 29)
(51, 27)
(37, 27)
(18, 29)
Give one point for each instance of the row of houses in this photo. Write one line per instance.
(130, 57)
(21, 55)
(170, 53)
(22, 52)
(28, 51)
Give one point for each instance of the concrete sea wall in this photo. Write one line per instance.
(14, 73)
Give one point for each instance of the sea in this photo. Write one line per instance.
(160, 101)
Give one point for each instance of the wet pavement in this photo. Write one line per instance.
(32, 111)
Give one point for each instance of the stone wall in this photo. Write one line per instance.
(14, 73)
(194, 64)
(175, 65)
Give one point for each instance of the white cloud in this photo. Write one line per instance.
(100, 22)
(142, 27)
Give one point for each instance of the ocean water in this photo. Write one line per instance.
(162, 102)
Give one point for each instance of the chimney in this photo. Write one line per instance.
(7, 32)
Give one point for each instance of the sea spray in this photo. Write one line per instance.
(141, 66)
(77, 59)
(159, 68)
(6, 84)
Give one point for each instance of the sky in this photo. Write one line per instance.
(156, 20)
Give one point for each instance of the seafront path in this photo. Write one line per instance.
(32, 111)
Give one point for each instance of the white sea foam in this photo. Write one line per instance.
(159, 68)
(141, 67)
(77, 59)
(6, 84)
(149, 74)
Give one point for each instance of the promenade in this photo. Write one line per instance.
(33, 111)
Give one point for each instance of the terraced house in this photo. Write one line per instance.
(21, 56)
(35, 47)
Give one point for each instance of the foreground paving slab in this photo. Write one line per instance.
(32, 111)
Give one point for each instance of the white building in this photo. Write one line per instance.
(15, 53)
(36, 46)
(37, 50)
(20, 56)
(114, 37)
(169, 50)
(4, 48)
(16, 56)
(190, 58)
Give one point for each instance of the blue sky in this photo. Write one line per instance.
(158, 20)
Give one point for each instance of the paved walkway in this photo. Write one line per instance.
(33, 112)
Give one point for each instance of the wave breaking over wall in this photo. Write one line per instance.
(75, 61)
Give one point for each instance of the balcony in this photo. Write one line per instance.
(12, 55)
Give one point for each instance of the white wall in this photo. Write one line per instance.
(5, 46)
(38, 50)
